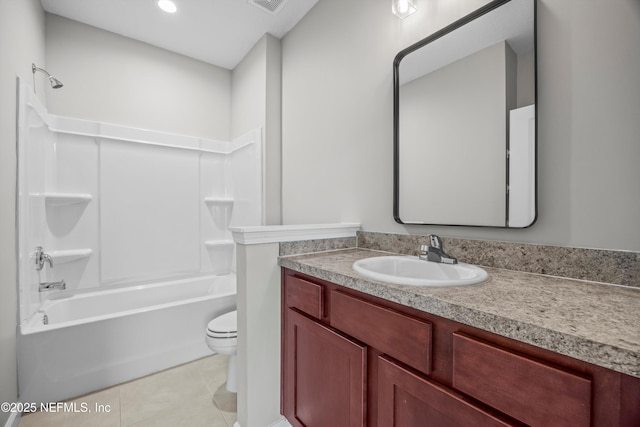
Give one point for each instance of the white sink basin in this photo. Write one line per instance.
(409, 270)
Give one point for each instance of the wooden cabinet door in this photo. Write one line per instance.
(406, 399)
(324, 375)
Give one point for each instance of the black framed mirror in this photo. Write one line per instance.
(465, 127)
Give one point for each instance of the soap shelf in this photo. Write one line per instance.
(219, 201)
(220, 209)
(65, 256)
(65, 199)
(219, 244)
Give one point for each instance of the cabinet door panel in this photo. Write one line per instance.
(401, 336)
(536, 393)
(325, 376)
(408, 400)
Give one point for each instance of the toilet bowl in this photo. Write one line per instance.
(222, 337)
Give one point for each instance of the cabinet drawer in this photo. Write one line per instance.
(408, 400)
(536, 393)
(305, 296)
(402, 337)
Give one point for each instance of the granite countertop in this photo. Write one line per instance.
(590, 321)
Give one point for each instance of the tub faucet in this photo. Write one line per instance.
(39, 258)
(433, 252)
(49, 286)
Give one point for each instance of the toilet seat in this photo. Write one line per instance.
(225, 326)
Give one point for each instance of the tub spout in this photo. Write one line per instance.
(45, 318)
(48, 286)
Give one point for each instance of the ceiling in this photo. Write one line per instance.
(219, 32)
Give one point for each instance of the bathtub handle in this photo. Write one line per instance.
(40, 258)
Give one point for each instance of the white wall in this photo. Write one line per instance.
(114, 79)
(19, 20)
(337, 118)
(255, 102)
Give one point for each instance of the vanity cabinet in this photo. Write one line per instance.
(351, 359)
(326, 376)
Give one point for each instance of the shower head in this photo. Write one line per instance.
(55, 83)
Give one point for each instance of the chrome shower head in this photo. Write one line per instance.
(55, 83)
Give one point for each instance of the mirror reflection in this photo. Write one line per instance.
(464, 121)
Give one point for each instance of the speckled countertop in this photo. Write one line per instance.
(590, 321)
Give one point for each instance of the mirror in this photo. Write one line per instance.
(465, 121)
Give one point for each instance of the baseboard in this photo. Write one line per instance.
(282, 422)
(14, 420)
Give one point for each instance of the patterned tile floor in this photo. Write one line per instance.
(192, 394)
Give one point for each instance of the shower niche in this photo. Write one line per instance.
(117, 206)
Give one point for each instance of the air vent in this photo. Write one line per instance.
(271, 6)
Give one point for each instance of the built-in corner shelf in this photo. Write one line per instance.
(65, 256)
(219, 201)
(65, 199)
(220, 209)
(219, 244)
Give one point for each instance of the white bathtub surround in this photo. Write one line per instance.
(259, 315)
(116, 207)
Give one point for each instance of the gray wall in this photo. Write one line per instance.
(337, 118)
(19, 20)
(118, 80)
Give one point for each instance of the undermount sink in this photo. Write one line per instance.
(409, 270)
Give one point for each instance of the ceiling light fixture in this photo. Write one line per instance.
(167, 5)
(403, 8)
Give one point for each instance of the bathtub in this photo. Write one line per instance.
(80, 342)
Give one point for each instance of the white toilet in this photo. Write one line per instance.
(222, 337)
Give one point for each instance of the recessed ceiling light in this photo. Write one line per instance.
(167, 5)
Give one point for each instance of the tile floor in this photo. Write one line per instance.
(191, 395)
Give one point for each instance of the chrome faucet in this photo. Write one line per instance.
(49, 286)
(433, 252)
(39, 258)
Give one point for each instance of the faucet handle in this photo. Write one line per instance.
(435, 241)
(39, 258)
